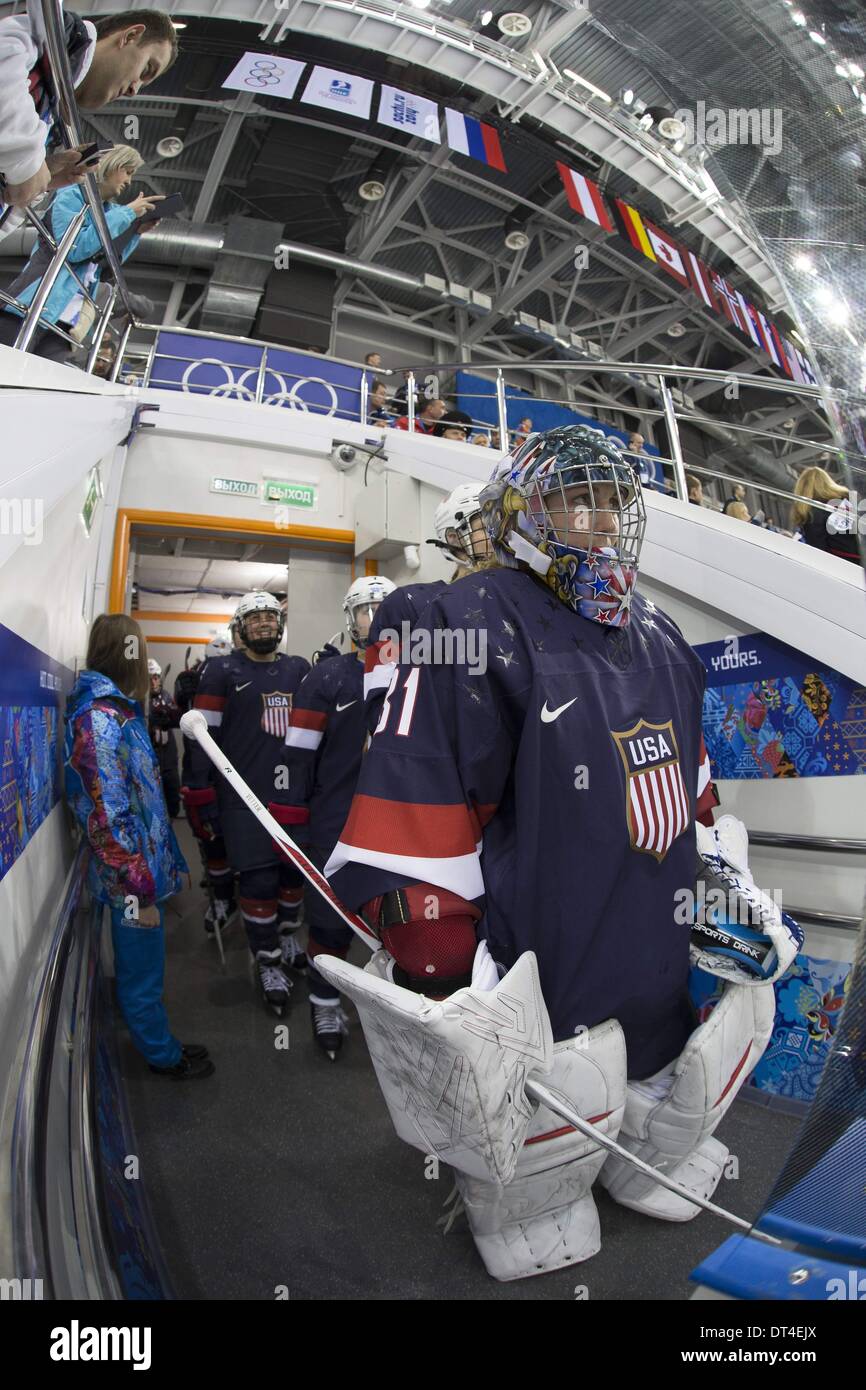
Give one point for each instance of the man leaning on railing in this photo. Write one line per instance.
(116, 57)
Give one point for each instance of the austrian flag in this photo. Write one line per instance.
(585, 198)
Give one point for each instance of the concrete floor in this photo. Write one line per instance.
(281, 1175)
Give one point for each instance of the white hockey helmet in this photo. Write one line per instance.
(219, 646)
(153, 667)
(455, 513)
(373, 588)
(259, 601)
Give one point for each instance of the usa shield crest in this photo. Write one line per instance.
(657, 803)
(276, 712)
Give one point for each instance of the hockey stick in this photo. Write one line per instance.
(194, 725)
(541, 1093)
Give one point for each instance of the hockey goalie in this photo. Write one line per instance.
(518, 840)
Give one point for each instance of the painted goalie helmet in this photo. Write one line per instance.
(568, 506)
(452, 522)
(153, 667)
(372, 589)
(218, 646)
(259, 602)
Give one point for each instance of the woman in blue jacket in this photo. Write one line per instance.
(114, 790)
(114, 173)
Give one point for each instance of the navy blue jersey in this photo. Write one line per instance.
(557, 792)
(404, 606)
(247, 705)
(324, 745)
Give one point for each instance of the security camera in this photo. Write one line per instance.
(343, 456)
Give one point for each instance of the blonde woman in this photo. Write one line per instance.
(114, 790)
(65, 303)
(834, 531)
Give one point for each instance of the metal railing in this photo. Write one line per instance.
(67, 124)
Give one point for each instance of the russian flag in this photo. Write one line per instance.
(474, 138)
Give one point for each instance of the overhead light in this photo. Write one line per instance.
(677, 330)
(419, 4)
(841, 70)
(177, 26)
(516, 238)
(372, 190)
(486, 18)
(626, 96)
(824, 295)
(590, 86)
(802, 262)
(669, 126)
(855, 70)
(514, 24)
(817, 38)
(799, 19)
(679, 146)
(837, 312)
(169, 147)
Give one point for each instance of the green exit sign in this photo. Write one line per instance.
(290, 494)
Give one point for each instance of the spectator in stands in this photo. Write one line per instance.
(523, 431)
(373, 360)
(481, 440)
(115, 56)
(114, 791)
(642, 461)
(427, 419)
(377, 413)
(738, 510)
(401, 397)
(66, 303)
(454, 424)
(495, 441)
(695, 490)
(834, 531)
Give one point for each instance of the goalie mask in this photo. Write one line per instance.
(365, 596)
(218, 646)
(568, 506)
(459, 529)
(259, 602)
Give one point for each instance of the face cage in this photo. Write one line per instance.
(466, 555)
(242, 624)
(370, 605)
(627, 504)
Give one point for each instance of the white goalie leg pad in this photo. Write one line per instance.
(670, 1117)
(453, 1072)
(545, 1217)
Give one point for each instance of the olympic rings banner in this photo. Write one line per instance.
(295, 380)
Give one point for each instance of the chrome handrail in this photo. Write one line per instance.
(823, 919)
(825, 844)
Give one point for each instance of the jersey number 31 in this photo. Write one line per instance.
(410, 695)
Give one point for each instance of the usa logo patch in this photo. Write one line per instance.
(276, 712)
(657, 803)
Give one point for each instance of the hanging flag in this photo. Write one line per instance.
(585, 198)
(339, 91)
(768, 341)
(406, 111)
(668, 254)
(267, 73)
(808, 372)
(748, 321)
(474, 138)
(700, 277)
(780, 350)
(727, 299)
(635, 229)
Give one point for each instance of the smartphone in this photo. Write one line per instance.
(92, 154)
(169, 207)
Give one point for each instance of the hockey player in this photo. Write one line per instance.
(460, 534)
(163, 717)
(246, 699)
(323, 751)
(220, 874)
(549, 808)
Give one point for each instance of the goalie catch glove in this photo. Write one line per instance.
(739, 933)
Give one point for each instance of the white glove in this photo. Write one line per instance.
(739, 933)
(485, 972)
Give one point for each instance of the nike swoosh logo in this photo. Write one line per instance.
(340, 708)
(244, 686)
(548, 715)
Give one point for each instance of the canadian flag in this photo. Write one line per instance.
(668, 254)
(584, 197)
